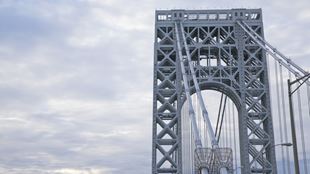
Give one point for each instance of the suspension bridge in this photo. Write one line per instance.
(225, 100)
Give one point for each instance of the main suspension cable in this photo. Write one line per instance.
(192, 114)
(198, 91)
(296, 70)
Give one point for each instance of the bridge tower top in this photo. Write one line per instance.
(216, 50)
(250, 15)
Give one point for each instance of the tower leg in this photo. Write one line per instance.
(204, 171)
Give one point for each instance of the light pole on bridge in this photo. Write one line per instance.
(290, 94)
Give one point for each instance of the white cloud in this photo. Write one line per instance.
(81, 171)
(304, 15)
(58, 171)
(76, 80)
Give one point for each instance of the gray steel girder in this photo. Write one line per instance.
(226, 59)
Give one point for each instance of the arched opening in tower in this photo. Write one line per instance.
(224, 117)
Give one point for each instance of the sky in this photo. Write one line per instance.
(76, 79)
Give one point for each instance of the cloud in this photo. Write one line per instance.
(76, 80)
(58, 171)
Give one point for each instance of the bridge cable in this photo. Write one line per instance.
(226, 126)
(280, 115)
(198, 91)
(273, 51)
(218, 115)
(187, 144)
(222, 118)
(198, 116)
(223, 137)
(276, 54)
(193, 147)
(206, 135)
(235, 143)
(308, 99)
(197, 112)
(301, 122)
(285, 119)
(192, 114)
(229, 124)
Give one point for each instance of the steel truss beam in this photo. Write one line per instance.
(226, 59)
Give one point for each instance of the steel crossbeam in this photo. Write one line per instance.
(218, 55)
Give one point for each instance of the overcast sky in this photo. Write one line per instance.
(76, 79)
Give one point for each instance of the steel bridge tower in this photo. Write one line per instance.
(225, 59)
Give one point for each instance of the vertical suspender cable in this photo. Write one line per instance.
(284, 120)
(223, 128)
(190, 146)
(193, 155)
(308, 99)
(235, 143)
(218, 115)
(206, 135)
(188, 140)
(197, 112)
(184, 138)
(280, 116)
(301, 122)
(199, 117)
(226, 126)
(182, 134)
(221, 123)
(229, 124)
(291, 66)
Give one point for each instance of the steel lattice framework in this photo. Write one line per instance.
(226, 59)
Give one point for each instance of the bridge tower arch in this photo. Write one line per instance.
(225, 59)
